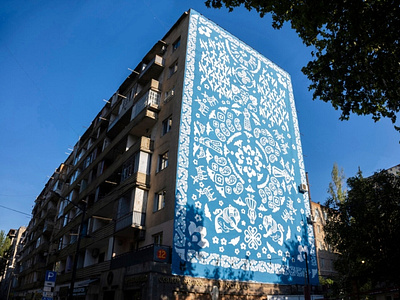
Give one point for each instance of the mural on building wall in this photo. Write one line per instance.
(239, 212)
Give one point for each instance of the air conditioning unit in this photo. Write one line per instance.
(303, 188)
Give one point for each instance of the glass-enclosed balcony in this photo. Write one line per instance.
(133, 219)
(152, 69)
(150, 100)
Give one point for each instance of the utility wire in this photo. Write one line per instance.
(18, 211)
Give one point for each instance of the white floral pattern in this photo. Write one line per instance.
(240, 164)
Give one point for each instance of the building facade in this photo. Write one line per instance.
(8, 279)
(325, 254)
(190, 182)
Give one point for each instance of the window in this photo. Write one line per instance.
(157, 238)
(173, 68)
(176, 44)
(159, 200)
(162, 161)
(168, 94)
(166, 125)
(75, 176)
(316, 213)
(128, 168)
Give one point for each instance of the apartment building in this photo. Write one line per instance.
(325, 255)
(8, 279)
(189, 183)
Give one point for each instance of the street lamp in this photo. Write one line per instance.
(78, 243)
(307, 295)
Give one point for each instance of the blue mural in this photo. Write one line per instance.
(239, 212)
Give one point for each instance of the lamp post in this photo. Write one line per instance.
(307, 295)
(78, 244)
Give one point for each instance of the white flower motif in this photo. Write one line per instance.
(237, 251)
(248, 253)
(240, 156)
(197, 204)
(243, 246)
(215, 240)
(221, 249)
(299, 238)
(223, 241)
(258, 254)
(264, 250)
(298, 228)
(221, 203)
(249, 161)
(269, 256)
(280, 252)
(252, 237)
(194, 197)
(198, 218)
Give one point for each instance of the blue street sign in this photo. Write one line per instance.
(51, 276)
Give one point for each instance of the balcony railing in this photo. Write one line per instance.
(86, 272)
(149, 100)
(133, 219)
(151, 253)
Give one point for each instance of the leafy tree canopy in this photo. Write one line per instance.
(356, 62)
(364, 229)
(4, 243)
(4, 247)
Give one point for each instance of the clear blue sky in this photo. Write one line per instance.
(59, 59)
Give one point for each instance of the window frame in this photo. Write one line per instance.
(176, 44)
(166, 125)
(159, 200)
(162, 162)
(173, 68)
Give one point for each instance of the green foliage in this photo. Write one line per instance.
(357, 51)
(364, 229)
(5, 244)
(336, 189)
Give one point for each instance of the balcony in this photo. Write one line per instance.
(151, 253)
(134, 219)
(124, 116)
(145, 112)
(48, 227)
(152, 70)
(92, 271)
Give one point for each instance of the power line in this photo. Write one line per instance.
(18, 211)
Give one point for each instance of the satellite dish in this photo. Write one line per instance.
(214, 293)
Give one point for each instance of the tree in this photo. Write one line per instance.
(355, 63)
(5, 244)
(336, 190)
(364, 229)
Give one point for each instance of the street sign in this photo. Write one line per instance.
(50, 279)
(48, 294)
(51, 276)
